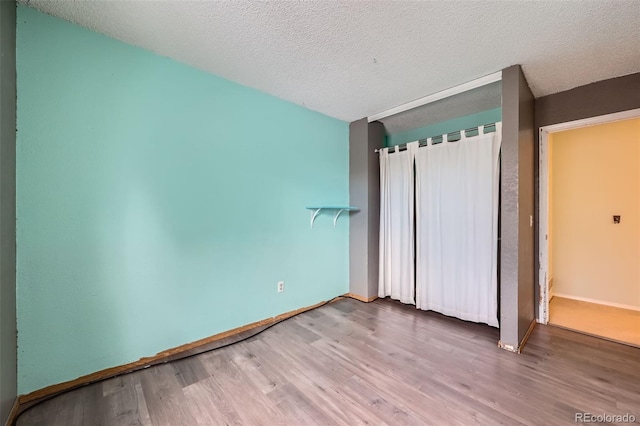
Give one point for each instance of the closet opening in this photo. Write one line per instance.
(589, 235)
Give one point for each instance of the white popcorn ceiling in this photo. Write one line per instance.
(352, 59)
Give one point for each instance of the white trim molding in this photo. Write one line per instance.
(592, 121)
(455, 90)
(598, 302)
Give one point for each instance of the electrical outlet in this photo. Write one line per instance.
(280, 286)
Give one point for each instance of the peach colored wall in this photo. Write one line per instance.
(552, 288)
(595, 174)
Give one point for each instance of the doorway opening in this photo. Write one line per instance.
(589, 234)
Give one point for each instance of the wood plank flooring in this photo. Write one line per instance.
(351, 363)
(610, 322)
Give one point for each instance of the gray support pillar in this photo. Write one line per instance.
(517, 257)
(364, 193)
(8, 347)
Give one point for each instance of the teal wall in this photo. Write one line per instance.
(460, 123)
(158, 204)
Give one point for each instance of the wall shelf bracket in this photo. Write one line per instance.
(316, 210)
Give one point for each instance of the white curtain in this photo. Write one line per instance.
(457, 227)
(397, 272)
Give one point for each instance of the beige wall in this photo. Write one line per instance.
(595, 174)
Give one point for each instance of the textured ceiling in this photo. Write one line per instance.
(351, 59)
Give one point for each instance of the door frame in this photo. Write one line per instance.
(543, 207)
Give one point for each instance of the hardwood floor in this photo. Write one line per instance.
(351, 363)
(613, 323)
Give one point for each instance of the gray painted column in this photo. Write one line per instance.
(364, 193)
(8, 346)
(517, 258)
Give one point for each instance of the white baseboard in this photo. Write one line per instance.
(598, 302)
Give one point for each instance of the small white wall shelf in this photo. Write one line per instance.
(338, 210)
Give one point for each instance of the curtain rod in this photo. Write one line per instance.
(423, 142)
(455, 90)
